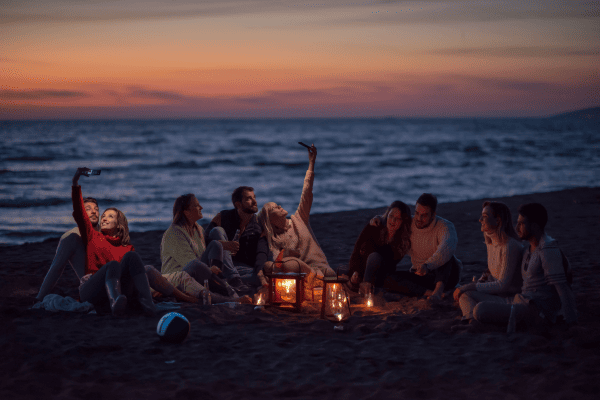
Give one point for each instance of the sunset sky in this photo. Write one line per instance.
(280, 59)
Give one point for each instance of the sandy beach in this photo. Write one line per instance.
(408, 349)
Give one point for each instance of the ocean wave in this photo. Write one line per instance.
(28, 203)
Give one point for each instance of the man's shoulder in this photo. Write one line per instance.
(548, 242)
(72, 231)
(443, 223)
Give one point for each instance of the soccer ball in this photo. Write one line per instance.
(173, 328)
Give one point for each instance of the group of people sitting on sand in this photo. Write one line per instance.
(235, 254)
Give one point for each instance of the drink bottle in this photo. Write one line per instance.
(206, 297)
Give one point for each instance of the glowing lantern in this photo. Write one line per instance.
(286, 290)
(335, 305)
(369, 301)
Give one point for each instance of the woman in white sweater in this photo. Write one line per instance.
(292, 240)
(504, 252)
(187, 260)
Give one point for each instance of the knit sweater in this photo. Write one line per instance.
(178, 248)
(504, 263)
(99, 248)
(299, 236)
(434, 245)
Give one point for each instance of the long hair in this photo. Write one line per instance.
(265, 221)
(505, 228)
(122, 226)
(401, 238)
(182, 203)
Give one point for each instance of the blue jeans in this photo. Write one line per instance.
(228, 268)
(231, 268)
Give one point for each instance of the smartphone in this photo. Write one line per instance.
(92, 172)
(305, 145)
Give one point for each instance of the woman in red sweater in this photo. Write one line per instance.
(114, 272)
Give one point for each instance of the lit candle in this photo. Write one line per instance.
(287, 289)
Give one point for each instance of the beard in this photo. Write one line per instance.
(250, 210)
(425, 225)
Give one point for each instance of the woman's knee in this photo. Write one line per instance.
(374, 258)
(214, 246)
(217, 233)
(134, 263)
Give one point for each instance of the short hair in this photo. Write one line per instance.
(428, 200)
(535, 213)
(238, 193)
(90, 200)
(181, 204)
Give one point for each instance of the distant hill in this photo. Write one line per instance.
(587, 113)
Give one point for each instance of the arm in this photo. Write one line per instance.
(262, 254)
(447, 240)
(510, 262)
(307, 190)
(79, 214)
(176, 246)
(567, 299)
(361, 249)
(554, 271)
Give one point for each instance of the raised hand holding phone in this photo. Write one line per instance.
(84, 171)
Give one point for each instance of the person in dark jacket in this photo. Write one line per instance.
(243, 258)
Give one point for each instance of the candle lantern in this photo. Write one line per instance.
(286, 290)
(335, 304)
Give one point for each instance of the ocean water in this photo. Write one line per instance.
(361, 163)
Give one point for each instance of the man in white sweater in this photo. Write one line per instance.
(433, 244)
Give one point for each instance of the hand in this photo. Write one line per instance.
(422, 270)
(375, 221)
(312, 154)
(291, 253)
(231, 247)
(215, 270)
(457, 293)
(78, 173)
(464, 288)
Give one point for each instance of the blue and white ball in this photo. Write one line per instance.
(173, 328)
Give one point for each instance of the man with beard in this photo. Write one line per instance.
(243, 258)
(70, 249)
(433, 244)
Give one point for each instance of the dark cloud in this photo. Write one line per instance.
(399, 12)
(510, 84)
(140, 92)
(343, 91)
(40, 94)
(517, 52)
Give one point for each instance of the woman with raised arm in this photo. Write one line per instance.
(293, 238)
(114, 274)
(380, 248)
(504, 253)
(186, 260)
